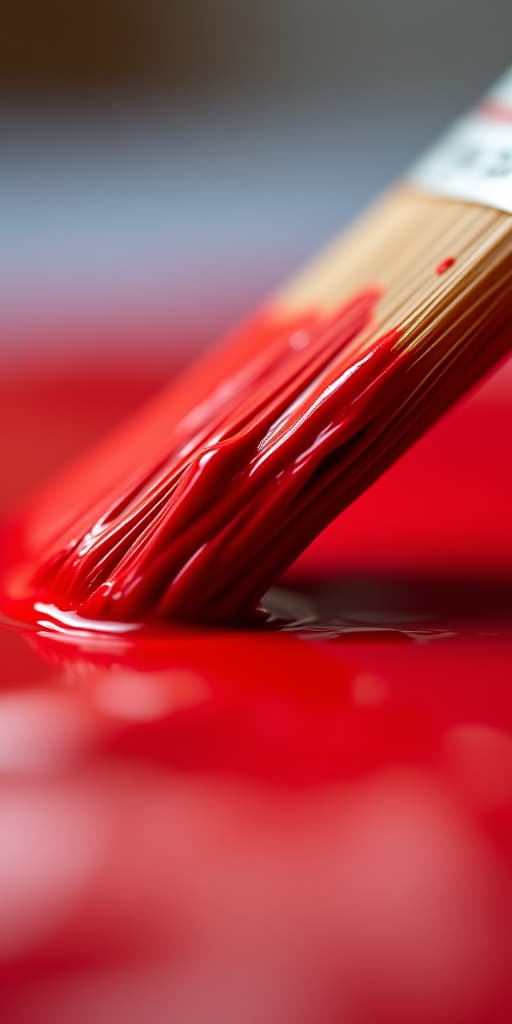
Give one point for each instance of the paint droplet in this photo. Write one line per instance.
(445, 265)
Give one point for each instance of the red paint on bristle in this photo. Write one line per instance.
(445, 265)
(199, 503)
(196, 506)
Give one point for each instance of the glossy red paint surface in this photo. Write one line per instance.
(195, 506)
(199, 502)
(292, 827)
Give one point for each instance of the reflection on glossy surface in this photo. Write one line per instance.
(316, 828)
(298, 826)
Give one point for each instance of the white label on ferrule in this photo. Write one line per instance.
(473, 161)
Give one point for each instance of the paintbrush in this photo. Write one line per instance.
(194, 507)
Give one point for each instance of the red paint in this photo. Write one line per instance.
(445, 265)
(219, 469)
(203, 499)
(199, 821)
(495, 111)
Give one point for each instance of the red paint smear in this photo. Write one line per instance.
(495, 111)
(193, 508)
(445, 265)
(196, 506)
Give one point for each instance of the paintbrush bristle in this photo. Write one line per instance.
(196, 506)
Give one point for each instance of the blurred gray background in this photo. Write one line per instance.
(177, 159)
